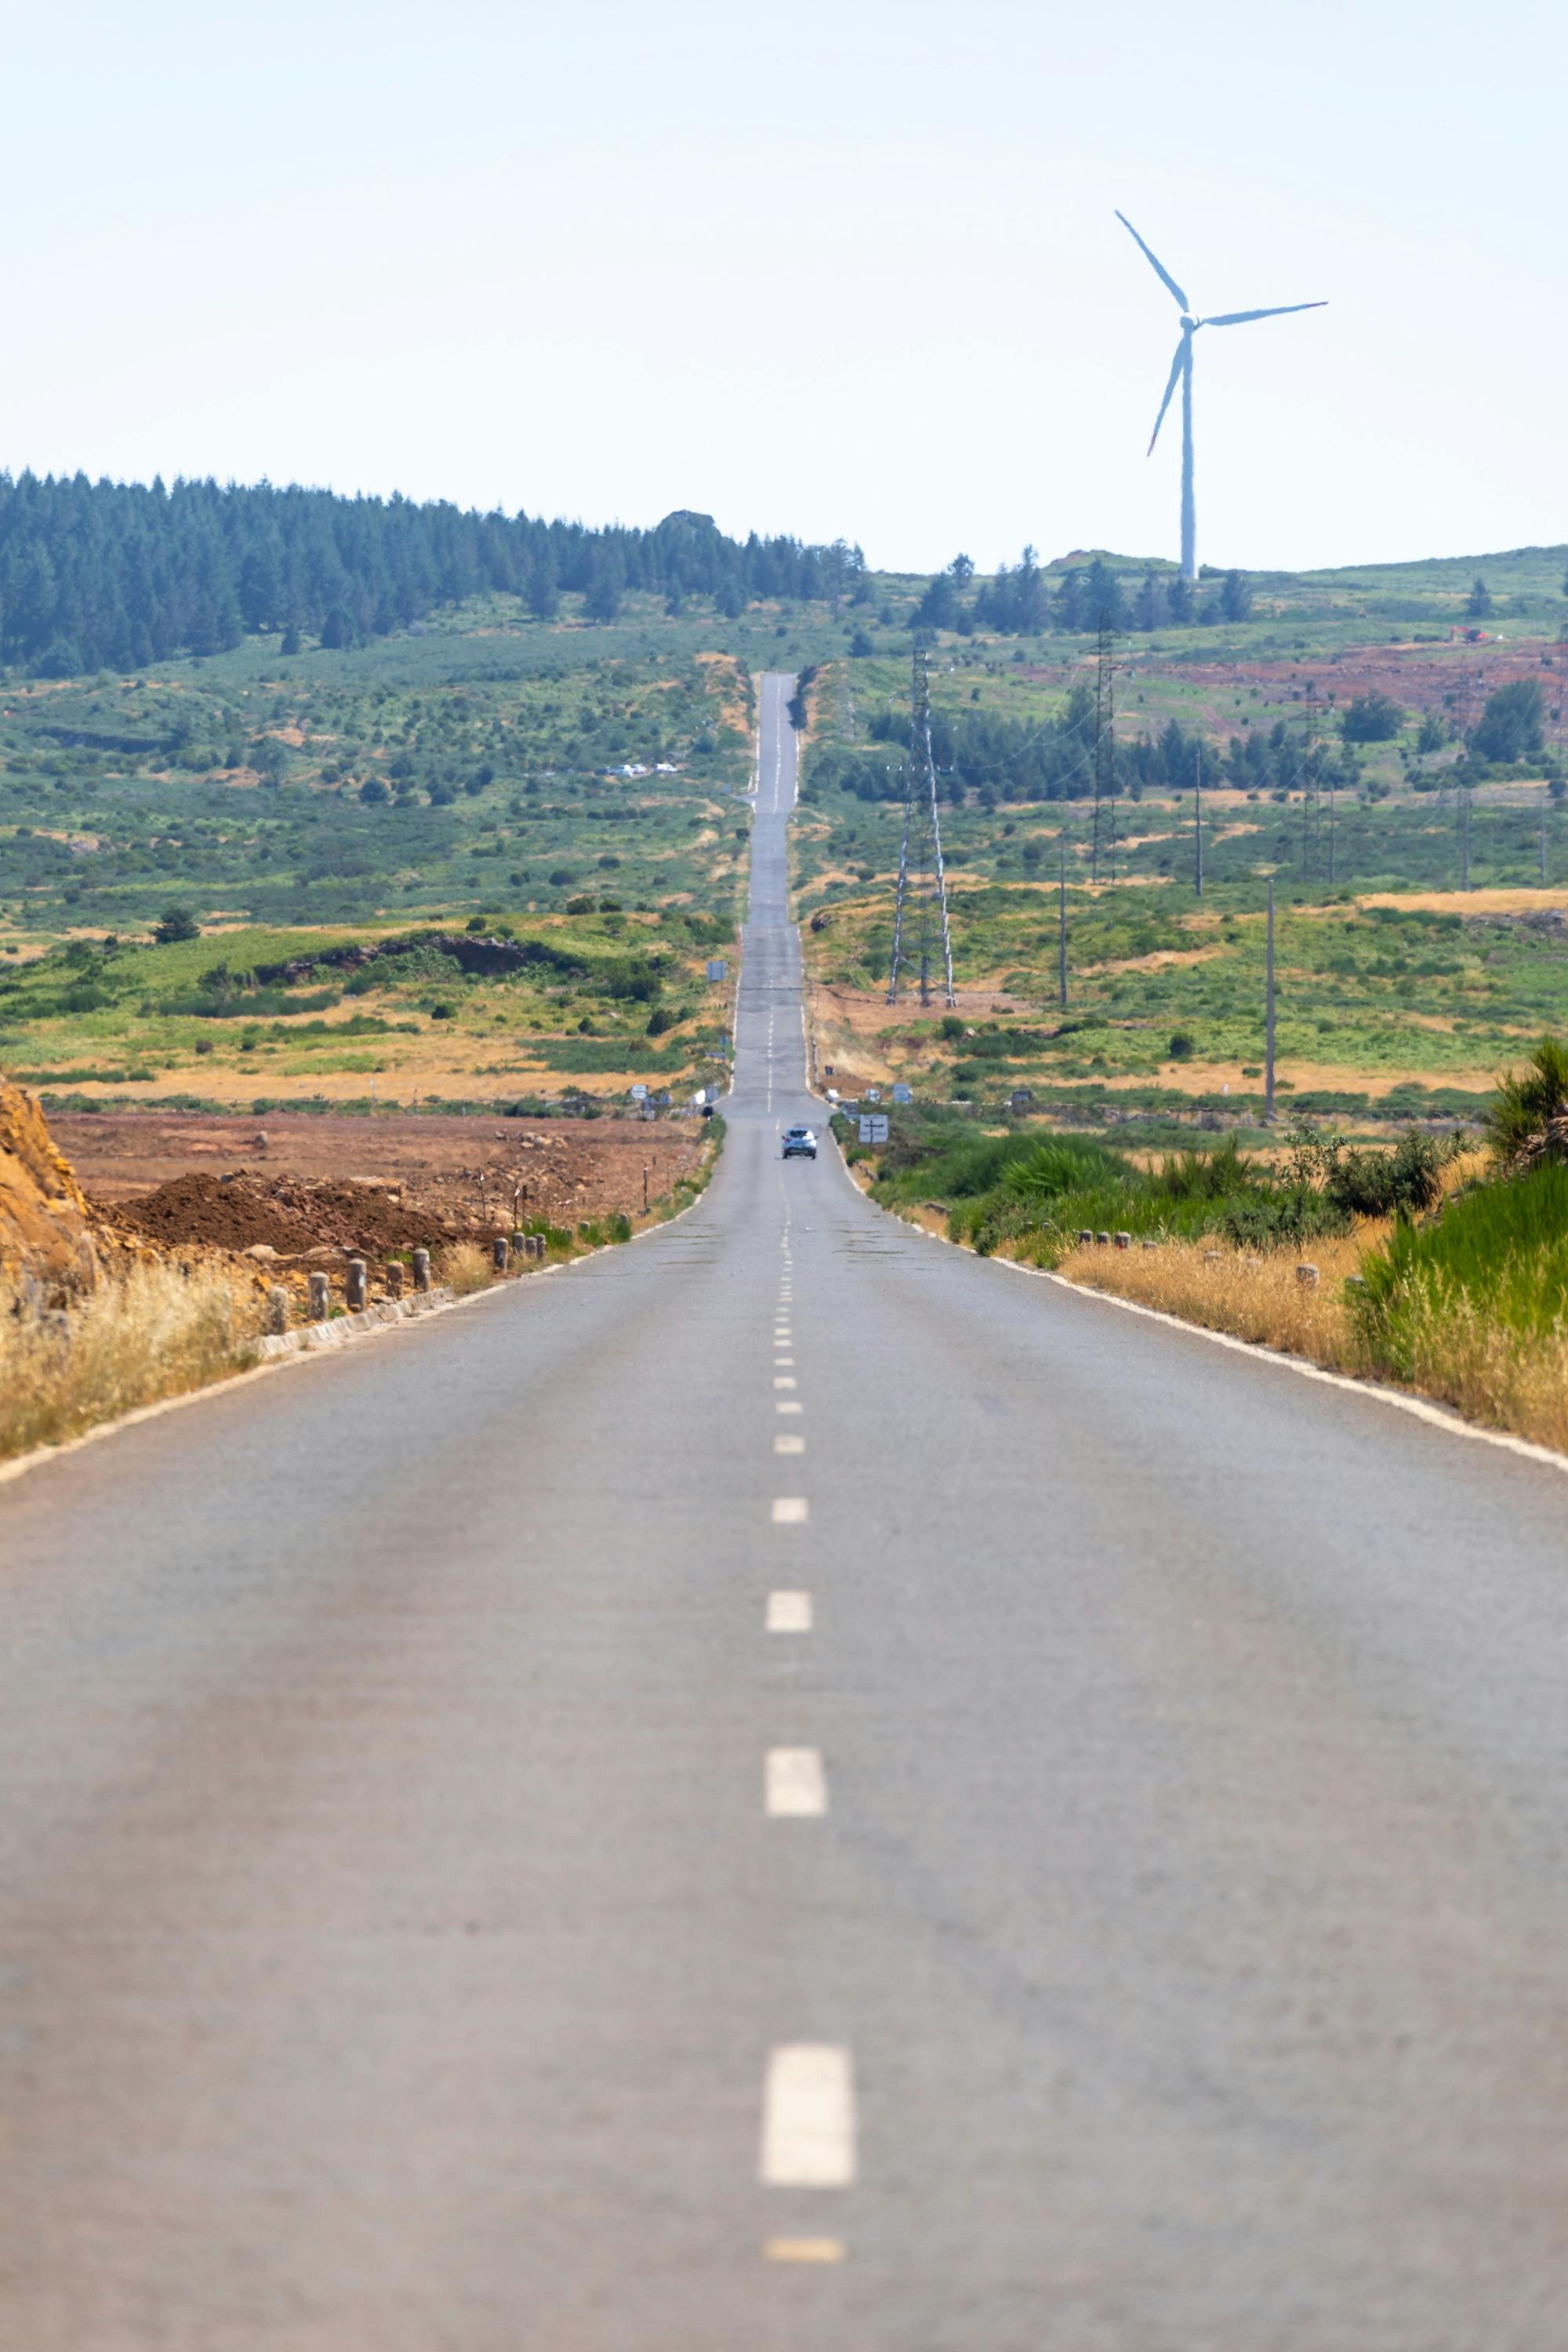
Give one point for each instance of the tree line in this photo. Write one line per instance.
(1023, 599)
(999, 758)
(119, 575)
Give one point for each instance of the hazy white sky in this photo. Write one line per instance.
(848, 268)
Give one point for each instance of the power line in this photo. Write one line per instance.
(922, 880)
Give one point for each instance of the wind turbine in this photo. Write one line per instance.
(1182, 367)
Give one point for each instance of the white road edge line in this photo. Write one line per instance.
(40, 1456)
(1435, 1417)
(795, 1784)
(808, 2117)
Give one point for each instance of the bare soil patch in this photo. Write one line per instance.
(295, 1181)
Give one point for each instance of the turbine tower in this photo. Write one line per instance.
(1182, 367)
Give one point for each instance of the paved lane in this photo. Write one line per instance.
(1068, 1855)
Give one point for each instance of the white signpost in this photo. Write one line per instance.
(874, 1126)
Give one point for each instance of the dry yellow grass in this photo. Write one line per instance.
(464, 1267)
(1462, 1358)
(154, 1333)
(1254, 1297)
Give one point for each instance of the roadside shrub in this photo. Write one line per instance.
(464, 1267)
(1501, 1248)
(1527, 1119)
(1203, 1175)
(1401, 1182)
(1066, 1163)
(155, 1333)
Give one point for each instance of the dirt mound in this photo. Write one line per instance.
(43, 1215)
(356, 1217)
(287, 1215)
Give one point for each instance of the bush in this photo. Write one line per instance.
(464, 1267)
(175, 925)
(1498, 1253)
(1528, 1116)
(1183, 1045)
(1372, 718)
(1514, 722)
(157, 1333)
(1401, 1182)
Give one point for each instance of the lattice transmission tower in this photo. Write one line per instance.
(920, 917)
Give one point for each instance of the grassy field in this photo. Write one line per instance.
(1419, 944)
(367, 1013)
(587, 785)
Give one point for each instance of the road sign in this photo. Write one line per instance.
(638, 1093)
(903, 1094)
(874, 1127)
(716, 967)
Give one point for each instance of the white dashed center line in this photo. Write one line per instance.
(808, 2117)
(790, 1510)
(788, 1404)
(795, 1784)
(789, 1612)
(784, 1380)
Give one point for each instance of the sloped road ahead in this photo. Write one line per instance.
(785, 1788)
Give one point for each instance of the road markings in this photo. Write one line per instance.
(780, 1362)
(789, 1404)
(789, 1445)
(789, 1612)
(784, 1380)
(796, 1785)
(803, 2249)
(808, 2117)
(790, 1510)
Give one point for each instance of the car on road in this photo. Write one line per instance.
(799, 1143)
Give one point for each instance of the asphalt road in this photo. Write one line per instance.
(783, 1791)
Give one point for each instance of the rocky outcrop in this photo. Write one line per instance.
(44, 1216)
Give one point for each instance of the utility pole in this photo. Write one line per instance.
(1198, 819)
(929, 891)
(1062, 919)
(1104, 744)
(1544, 797)
(1333, 784)
(1269, 1016)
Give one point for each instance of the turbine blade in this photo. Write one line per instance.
(1241, 317)
(1157, 266)
(1175, 375)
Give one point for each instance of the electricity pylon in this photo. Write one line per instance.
(921, 903)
